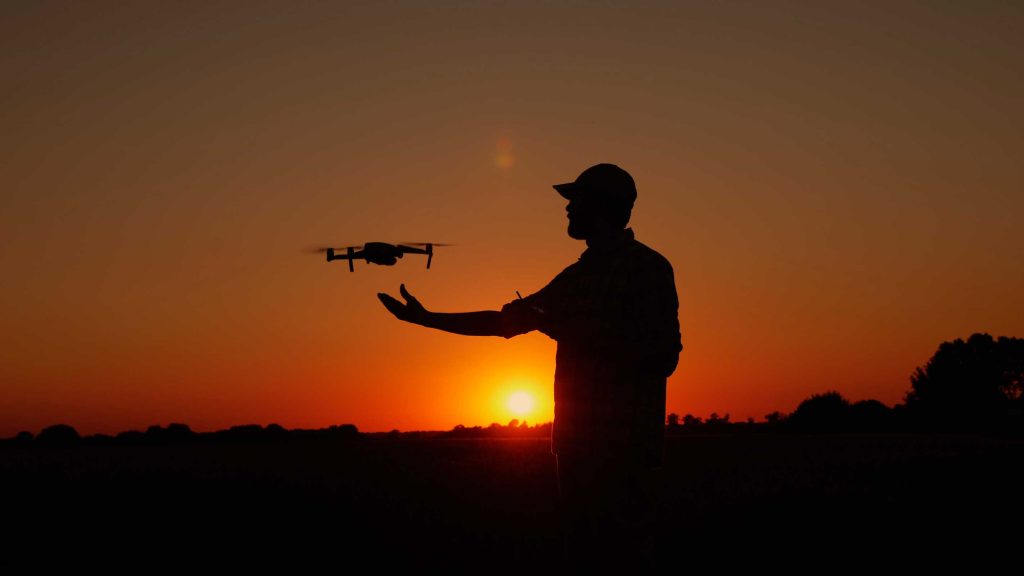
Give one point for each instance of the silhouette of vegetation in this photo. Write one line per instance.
(828, 412)
(58, 436)
(972, 385)
(514, 429)
(871, 416)
(716, 422)
(459, 504)
(467, 495)
(969, 385)
(173, 434)
(62, 435)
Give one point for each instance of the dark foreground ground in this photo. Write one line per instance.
(490, 505)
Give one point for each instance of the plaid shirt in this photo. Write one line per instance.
(614, 314)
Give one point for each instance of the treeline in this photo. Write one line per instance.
(975, 385)
(827, 412)
(62, 435)
(514, 429)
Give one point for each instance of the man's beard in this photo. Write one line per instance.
(577, 230)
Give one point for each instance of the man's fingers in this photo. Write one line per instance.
(393, 305)
(405, 294)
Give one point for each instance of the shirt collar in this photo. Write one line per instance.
(609, 246)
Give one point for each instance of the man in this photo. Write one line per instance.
(614, 314)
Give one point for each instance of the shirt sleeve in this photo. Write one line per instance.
(523, 315)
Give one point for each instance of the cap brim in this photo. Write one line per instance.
(567, 190)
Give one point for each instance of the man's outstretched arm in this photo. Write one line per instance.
(483, 323)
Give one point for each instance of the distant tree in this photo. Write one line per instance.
(691, 421)
(99, 440)
(870, 415)
(243, 433)
(273, 430)
(344, 431)
(774, 417)
(716, 422)
(969, 383)
(673, 420)
(178, 432)
(174, 433)
(513, 423)
(130, 437)
(714, 418)
(828, 412)
(58, 435)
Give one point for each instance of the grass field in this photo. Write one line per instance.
(491, 505)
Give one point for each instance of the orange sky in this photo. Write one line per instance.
(839, 190)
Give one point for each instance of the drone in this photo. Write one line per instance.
(380, 253)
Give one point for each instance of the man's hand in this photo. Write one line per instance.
(411, 311)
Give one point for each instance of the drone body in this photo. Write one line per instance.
(380, 253)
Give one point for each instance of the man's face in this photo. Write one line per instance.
(582, 218)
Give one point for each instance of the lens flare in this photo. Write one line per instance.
(503, 157)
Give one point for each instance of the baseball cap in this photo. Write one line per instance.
(607, 181)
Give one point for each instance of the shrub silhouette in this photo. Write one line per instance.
(969, 384)
(58, 435)
(828, 412)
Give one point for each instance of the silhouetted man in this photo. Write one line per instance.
(614, 314)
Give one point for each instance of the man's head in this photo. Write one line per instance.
(600, 200)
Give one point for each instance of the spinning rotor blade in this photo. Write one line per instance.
(322, 249)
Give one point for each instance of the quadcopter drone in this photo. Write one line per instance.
(380, 253)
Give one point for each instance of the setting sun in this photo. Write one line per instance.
(521, 403)
(522, 397)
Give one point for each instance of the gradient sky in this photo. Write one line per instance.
(837, 185)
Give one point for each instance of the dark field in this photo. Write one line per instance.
(490, 505)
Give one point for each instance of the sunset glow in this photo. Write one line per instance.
(837, 188)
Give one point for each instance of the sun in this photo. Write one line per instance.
(521, 403)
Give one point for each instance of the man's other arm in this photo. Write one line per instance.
(656, 338)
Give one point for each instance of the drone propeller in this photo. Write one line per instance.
(425, 244)
(321, 250)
